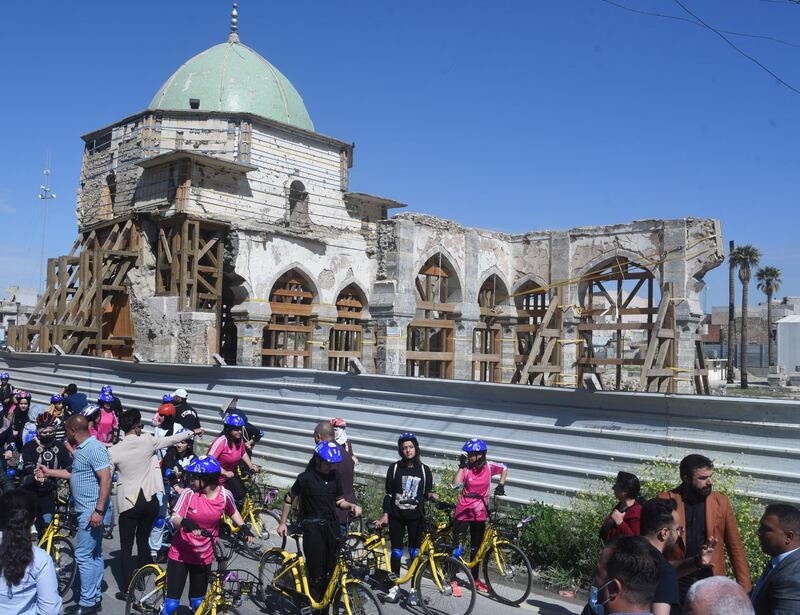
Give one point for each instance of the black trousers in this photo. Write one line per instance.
(136, 524)
(476, 531)
(319, 549)
(176, 579)
(235, 486)
(397, 533)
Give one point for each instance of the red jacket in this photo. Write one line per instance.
(629, 526)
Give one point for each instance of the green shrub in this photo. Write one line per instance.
(564, 543)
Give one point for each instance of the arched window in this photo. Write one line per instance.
(297, 205)
(618, 307)
(486, 339)
(532, 302)
(287, 337)
(347, 334)
(429, 345)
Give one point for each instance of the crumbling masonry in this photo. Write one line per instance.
(218, 221)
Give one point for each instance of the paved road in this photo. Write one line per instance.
(536, 603)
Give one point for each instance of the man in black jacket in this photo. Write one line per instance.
(185, 415)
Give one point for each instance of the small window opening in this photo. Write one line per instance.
(194, 103)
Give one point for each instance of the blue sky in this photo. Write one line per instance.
(514, 115)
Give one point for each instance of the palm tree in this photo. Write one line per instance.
(731, 312)
(768, 282)
(745, 258)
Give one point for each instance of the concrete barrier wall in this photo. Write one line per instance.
(555, 441)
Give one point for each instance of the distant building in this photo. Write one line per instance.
(716, 340)
(788, 335)
(17, 308)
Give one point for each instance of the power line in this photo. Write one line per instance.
(746, 55)
(692, 21)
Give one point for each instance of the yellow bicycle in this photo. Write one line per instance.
(282, 573)
(443, 583)
(56, 542)
(505, 567)
(262, 520)
(226, 588)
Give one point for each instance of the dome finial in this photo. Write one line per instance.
(234, 36)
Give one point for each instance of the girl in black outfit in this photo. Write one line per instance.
(408, 484)
(174, 464)
(44, 450)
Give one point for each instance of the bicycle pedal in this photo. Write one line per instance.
(306, 610)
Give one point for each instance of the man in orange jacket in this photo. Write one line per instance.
(705, 516)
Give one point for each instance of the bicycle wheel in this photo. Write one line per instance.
(358, 597)
(266, 532)
(146, 592)
(508, 573)
(270, 566)
(63, 554)
(445, 586)
(228, 542)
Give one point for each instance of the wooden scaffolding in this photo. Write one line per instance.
(85, 308)
(540, 362)
(189, 263)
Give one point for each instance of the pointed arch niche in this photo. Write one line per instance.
(430, 340)
(347, 335)
(619, 301)
(287, 337)
(532, 302)
(487, 336)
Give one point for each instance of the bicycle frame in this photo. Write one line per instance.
(376, 543)
(295, 565)
(53, 530)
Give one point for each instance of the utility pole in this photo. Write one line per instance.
(731, 314)
(45, 194)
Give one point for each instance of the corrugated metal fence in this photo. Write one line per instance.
(555, 441)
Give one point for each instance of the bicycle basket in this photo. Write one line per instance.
(507, 528)
(239, 583)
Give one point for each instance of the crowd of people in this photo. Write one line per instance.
(662, 556)
(668, 555)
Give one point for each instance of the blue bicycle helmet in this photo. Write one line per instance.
(106, 398)
(106, 388)
(328, 451)
(204, 465)
(55, 399)
(474, 445)
(20, 394)
(405, 437)
(234, 420)
(166, 399)
(4, 376)
(90, 410)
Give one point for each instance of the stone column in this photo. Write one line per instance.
(508, 349)
(687, 304)
(368, 342)
(560, 270)
(322, 321)
(390, 345)
(462, 348)
(250, 317)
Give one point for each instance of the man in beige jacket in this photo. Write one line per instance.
(138, 481)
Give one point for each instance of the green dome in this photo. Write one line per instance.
(232, 77)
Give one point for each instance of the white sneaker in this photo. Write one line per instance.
(412, 598)
(392, 594)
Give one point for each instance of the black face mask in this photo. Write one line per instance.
(47, 441)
